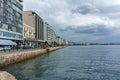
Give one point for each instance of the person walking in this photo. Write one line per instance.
(21, 47)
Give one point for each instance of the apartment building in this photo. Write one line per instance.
(11, 20)
(32, 19)
(51, 35)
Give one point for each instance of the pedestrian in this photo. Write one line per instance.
(21, 47)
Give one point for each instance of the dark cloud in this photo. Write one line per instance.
(111, 9)
(86, 8)
(97, 30)
(68, 28)
(94, 29)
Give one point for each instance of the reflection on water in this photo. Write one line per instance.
(72, 63)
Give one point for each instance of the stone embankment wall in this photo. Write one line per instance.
(7, 59)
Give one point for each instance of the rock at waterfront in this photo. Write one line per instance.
(6, 76)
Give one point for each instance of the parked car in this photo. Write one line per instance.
(35, 46)
(27, 47)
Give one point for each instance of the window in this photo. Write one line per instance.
(5, 26)
(1, 4)
(1, 11)
(6, 34)
(0, 33)
(14, 29)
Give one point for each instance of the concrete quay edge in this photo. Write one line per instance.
(7, 59)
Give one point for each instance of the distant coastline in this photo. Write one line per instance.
(87, 44)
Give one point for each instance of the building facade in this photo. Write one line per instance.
(51, 35)
(45, 31)
(34, 20)
(29, 35)
(61, 41)
(11, 20)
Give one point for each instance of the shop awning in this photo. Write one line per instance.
(7, 42)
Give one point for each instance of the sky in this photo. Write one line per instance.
(80, 20)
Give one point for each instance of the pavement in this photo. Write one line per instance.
(16, 51)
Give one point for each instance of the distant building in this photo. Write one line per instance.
(51, 35)
(59, 40)
(45, 31)
(11, 20)
(34, 20)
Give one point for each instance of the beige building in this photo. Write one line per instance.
(34, 20)
(28, 32)
(28, 35)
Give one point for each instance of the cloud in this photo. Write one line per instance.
(94, 29)
(80, 20)
(86, 8)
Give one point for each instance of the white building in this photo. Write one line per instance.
(49, 33)
(61, 41)
(45, 31)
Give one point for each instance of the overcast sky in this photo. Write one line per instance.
(80, 20)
